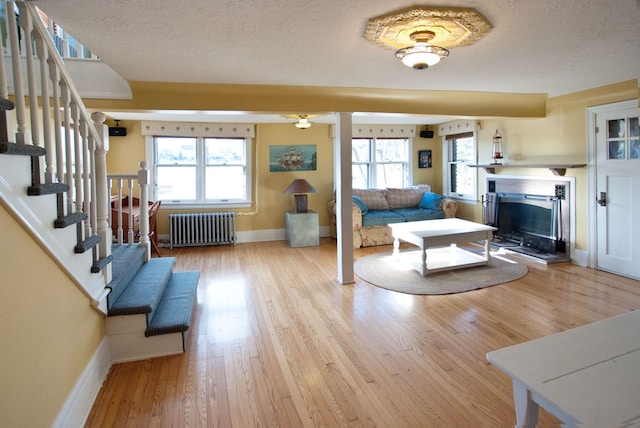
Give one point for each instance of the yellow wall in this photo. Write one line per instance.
(48, 331)
(559, 137)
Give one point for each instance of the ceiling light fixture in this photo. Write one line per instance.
(421, 55)
(410, 32)
(303, 122)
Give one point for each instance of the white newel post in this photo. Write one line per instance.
(103, 205)
(143, 181)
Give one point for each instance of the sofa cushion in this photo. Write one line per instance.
(404, 198)
(375, 199)
(419, 214)
(381, 218)
(431, 201)
(360, 203)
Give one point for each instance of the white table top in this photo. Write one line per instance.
(439, 227)
(591, 372)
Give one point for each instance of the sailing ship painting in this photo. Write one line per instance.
(293, 158)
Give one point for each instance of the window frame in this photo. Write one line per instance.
(373, 163)
(201, 165)
(447, 162)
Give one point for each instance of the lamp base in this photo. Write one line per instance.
(300, 203)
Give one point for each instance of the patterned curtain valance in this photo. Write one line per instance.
(198, 129)
(383, 131)
(458, 127)
(379, 131)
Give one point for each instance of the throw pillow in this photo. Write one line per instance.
(360, 203)
(431, 201)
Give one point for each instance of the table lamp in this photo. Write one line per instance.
(299, 189)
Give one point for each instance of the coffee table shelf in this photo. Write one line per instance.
(452, 257)
(433, 234)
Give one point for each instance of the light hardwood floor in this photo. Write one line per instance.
(277, 341)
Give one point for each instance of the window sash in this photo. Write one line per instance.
(369, 171)
(190, 181)
(461, 179)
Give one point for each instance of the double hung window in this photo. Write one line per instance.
(460, 178)
(380, 162)
(201, 170)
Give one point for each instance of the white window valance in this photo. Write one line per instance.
(458, 127)
(198, 129)
(383, 131)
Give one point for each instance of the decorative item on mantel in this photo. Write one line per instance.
(497, 151)
(299, 189)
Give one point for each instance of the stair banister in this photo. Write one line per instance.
(26, 25)
(143, 182)
(21, 131)
(49, 172)
(102, 197)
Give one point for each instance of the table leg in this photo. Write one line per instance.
(526, 408)
(423, 266)
(396, 247)
(487, 248)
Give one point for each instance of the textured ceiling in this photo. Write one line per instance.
(535, 46)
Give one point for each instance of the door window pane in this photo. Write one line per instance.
(616, 149)
(616, 128)
(634, 129)
(634, 149)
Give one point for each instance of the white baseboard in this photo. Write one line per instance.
(256, 236)
(580, 257)
(78, 405)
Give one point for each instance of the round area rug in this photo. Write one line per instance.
(400, 274)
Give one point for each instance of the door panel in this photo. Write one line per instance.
(618, 176)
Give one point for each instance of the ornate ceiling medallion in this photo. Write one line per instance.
(452, 27)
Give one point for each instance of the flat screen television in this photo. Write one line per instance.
(528, 220)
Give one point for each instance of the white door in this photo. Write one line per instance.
(618, 192)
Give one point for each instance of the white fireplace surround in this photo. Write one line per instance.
(540, 186)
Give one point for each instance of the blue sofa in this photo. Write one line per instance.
(374, 209)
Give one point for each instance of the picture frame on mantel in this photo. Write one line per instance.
(424, 158)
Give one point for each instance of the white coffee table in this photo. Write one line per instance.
(439, 233)
(588, 376)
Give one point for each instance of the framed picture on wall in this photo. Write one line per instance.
(424, 158)
(293, 158)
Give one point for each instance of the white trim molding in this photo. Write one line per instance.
(78, 405)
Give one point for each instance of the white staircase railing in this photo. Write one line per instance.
(76, 143)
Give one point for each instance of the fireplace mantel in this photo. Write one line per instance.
(560, 170)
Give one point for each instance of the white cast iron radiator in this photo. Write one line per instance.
(194, 229)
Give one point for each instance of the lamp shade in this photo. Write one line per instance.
(298, 186)
(299, 189)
